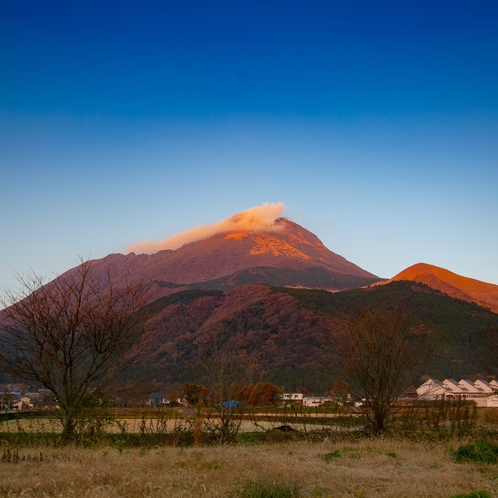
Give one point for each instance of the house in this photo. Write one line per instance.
(409, 394)
(156, 399)
(292, 397)
(480, 391)
(317, 400)
(488, 388)
(487, 402)
(431, 389)
(22, 403)
(35, 399)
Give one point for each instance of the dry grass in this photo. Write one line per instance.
(369, 468)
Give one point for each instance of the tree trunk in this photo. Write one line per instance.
(68, 427)
(379, 419)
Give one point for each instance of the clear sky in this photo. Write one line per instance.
(376, 123)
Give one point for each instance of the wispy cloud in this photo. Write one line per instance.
(257, 218)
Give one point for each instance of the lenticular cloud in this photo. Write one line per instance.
(254, 219)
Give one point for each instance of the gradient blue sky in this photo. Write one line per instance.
(376, 123)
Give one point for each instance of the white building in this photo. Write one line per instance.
(292, 397)
(316, 401)
(480, 391)
(431, 389)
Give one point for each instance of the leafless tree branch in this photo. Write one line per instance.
(74, 336)
(378, 355)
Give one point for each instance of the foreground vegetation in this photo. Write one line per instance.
(380, 467)
(441, 450)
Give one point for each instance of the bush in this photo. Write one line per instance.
(474, 494)
(328, 457)
(481, 451)
(259, 489)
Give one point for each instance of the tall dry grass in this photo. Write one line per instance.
(367, 468)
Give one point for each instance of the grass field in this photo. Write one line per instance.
(365, 468)
(153, 453)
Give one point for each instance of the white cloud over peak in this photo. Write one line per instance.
(257, 218)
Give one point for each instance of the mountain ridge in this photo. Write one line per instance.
(452, 284)
(286, 255)
(290, 326)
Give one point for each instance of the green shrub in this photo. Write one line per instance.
(474, 494)
(480, 451)
(261, 489)
(328, 457)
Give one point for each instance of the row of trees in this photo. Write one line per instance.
(76, 335)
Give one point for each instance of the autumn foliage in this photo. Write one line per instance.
(261, 394)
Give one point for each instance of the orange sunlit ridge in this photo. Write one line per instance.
(267, 244)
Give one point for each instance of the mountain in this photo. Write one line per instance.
(284, 255)
(287, 326)
(457, 286)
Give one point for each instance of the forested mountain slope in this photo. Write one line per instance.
(285, 326)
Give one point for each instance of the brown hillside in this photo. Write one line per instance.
(272, 325)
(454, 285)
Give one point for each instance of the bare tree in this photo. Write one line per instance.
(227, 372)
(379, 356)
(74, 336)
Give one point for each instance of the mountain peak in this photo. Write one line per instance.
(266, 243)
(255, 219)
(258, 250)
(458, 286)
(285, 240)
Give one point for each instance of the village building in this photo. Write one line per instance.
(156, 399)
(481, 392)
(317, 400)
(300, 399)
(292, 397)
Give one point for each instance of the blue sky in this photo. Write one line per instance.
(376, 123)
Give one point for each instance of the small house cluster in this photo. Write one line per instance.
(482, 393)
(17, 397)
(161, 399)
(299, 398)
